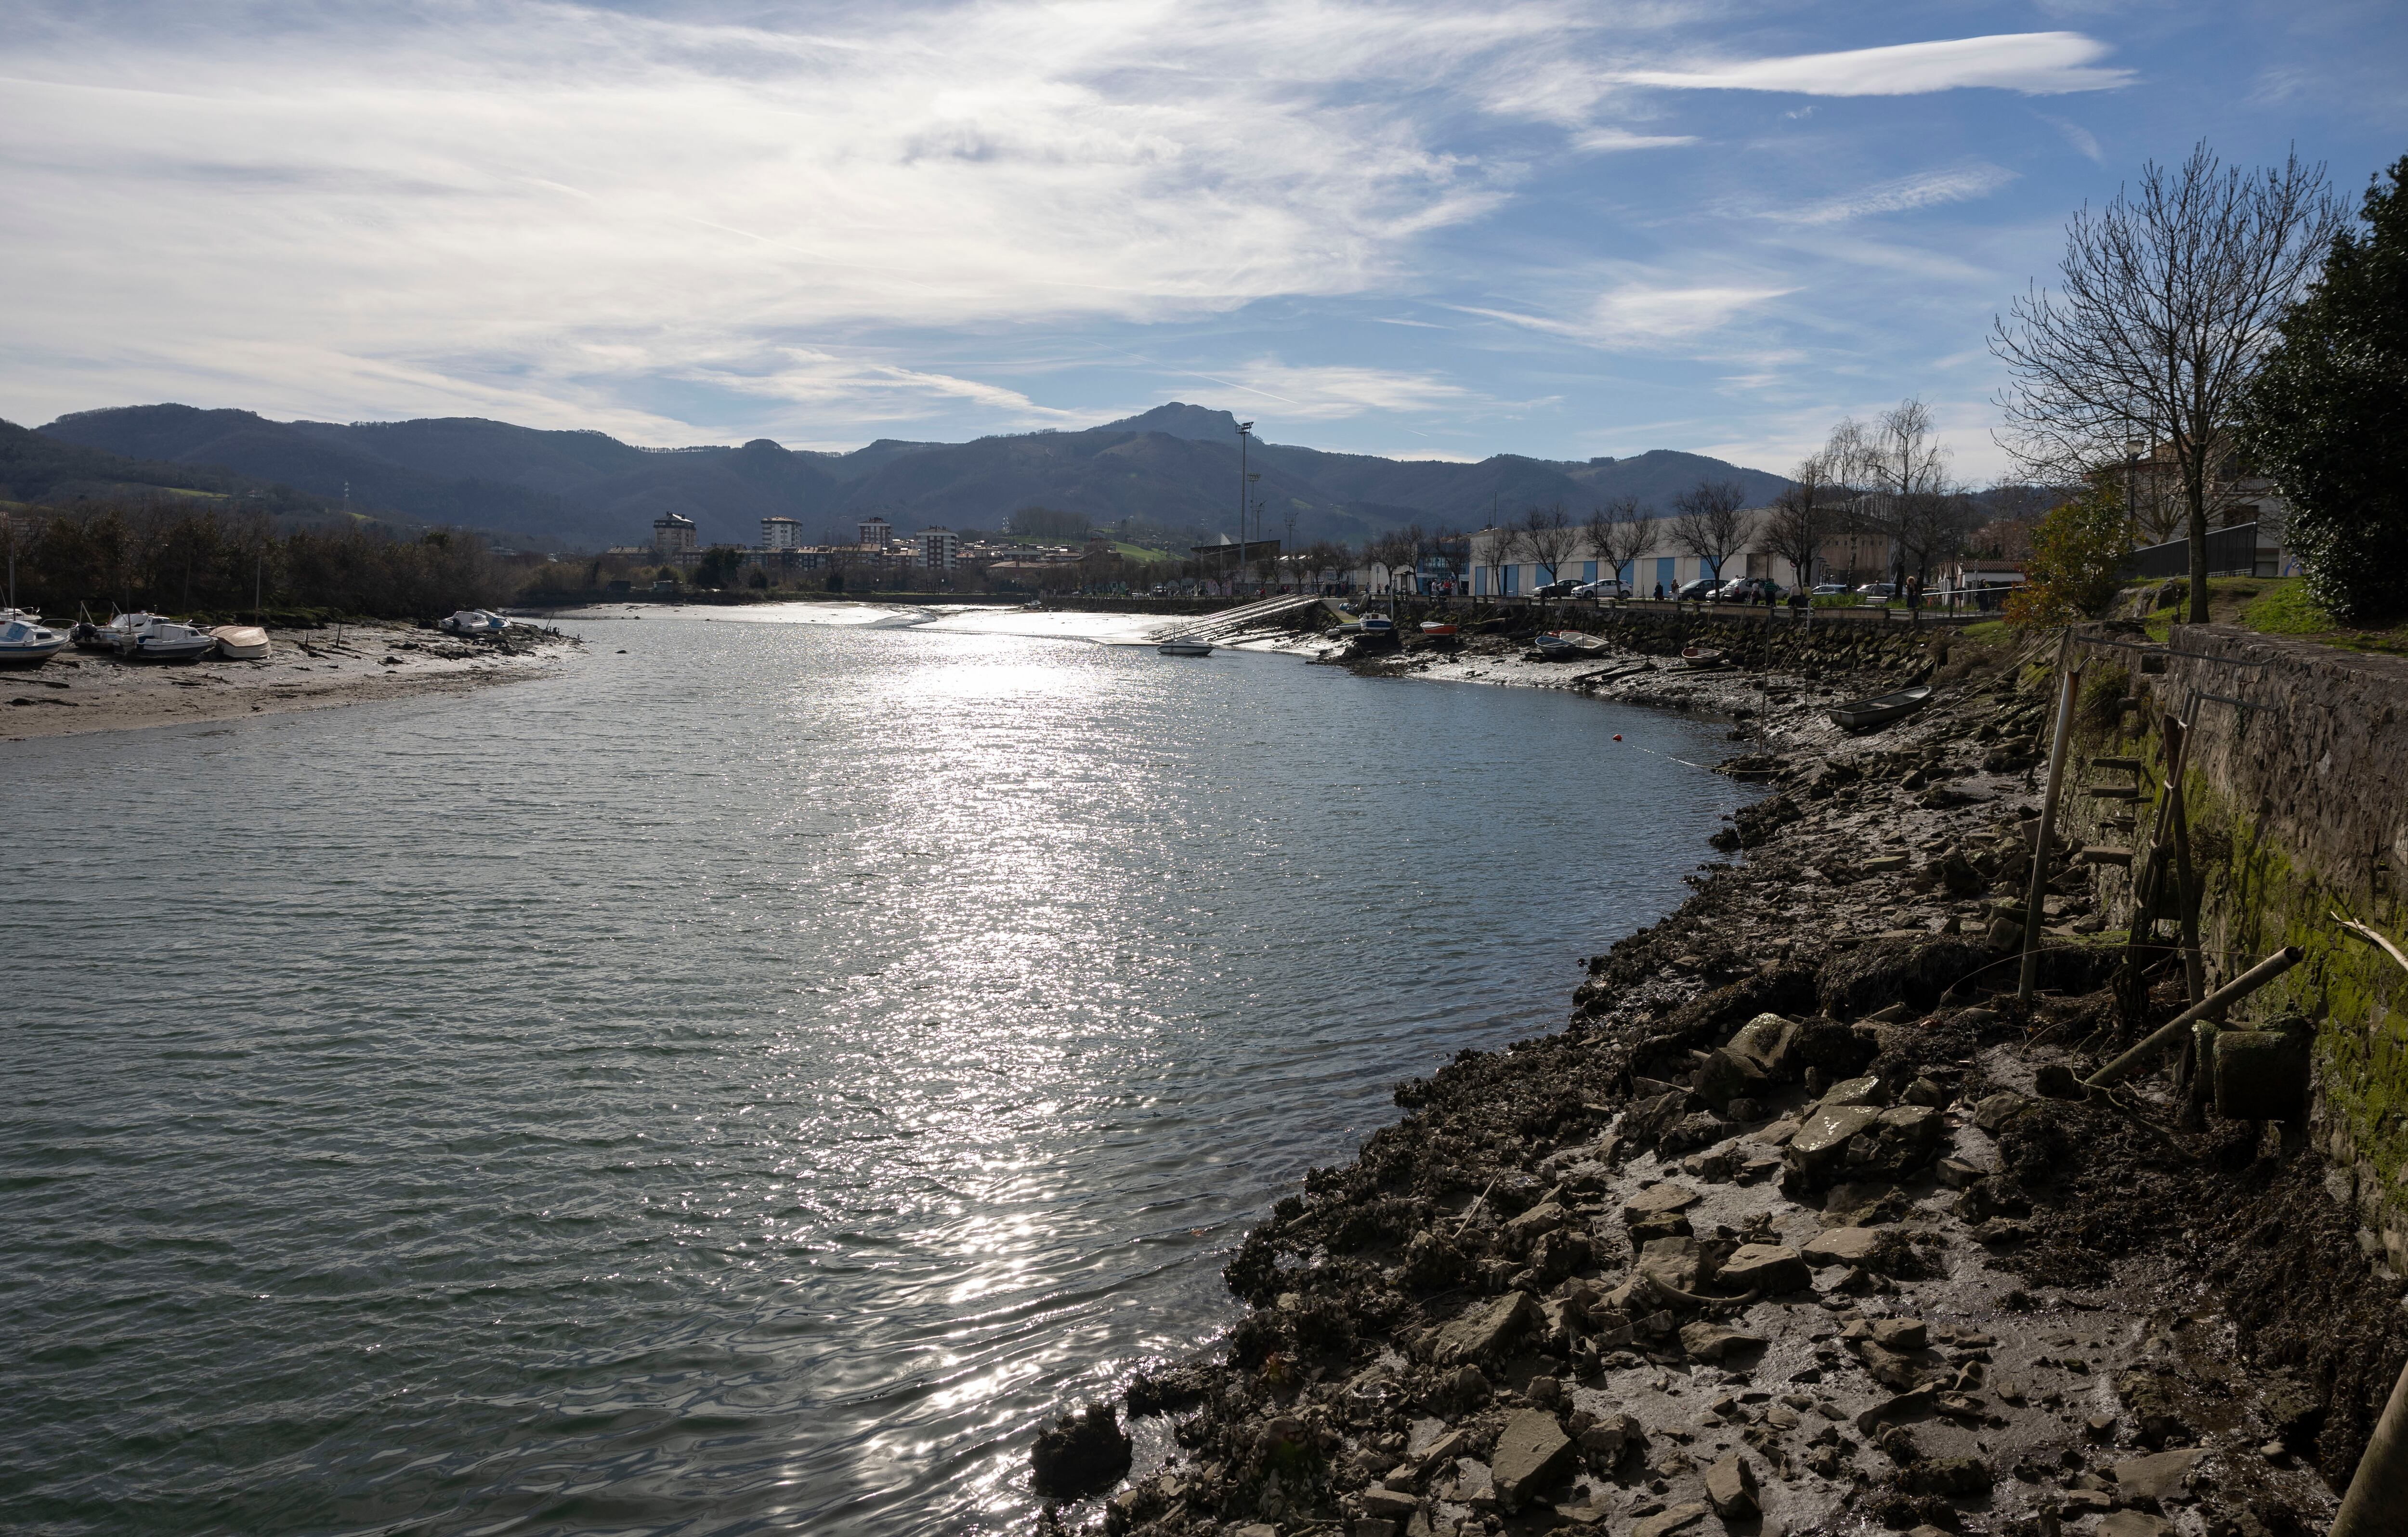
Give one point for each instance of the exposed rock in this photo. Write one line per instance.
(1543, 1217)
(1674, 1261)
(1395, 1504)
(1730, 1488)
(1658, 1199)
(1711, 1341)
(1678, 1518)
(2131, 1523)
(1081, 1454)
(1900, 1334)
(1841, 1246)
(1483, 1331)
(2156, 1477)
(1531, 1453)
(1820, 1147)
(1769, 1268)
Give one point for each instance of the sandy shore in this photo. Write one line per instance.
(306, 670)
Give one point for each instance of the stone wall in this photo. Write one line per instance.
(2297, 779)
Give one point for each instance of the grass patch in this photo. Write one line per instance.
(1986, 630)
(2287, 610)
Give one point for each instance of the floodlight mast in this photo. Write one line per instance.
(1245, 431)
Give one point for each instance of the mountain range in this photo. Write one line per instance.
(1175, 468)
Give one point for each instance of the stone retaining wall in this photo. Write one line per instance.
(2297, 782)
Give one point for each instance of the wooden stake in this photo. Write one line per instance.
(2036, 894)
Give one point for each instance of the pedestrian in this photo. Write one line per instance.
(1659, 591)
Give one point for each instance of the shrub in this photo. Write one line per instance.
(2075, 551)
(2328, 415)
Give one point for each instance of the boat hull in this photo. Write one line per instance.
(241, 642)
(1185, 648)
(1431, 627)
(31, 653)
(1859, 715)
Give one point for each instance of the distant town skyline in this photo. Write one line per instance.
(1550, 229)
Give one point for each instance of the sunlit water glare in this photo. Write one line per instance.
(743, 1084)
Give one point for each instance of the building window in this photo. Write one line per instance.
(1666, 567)
(1512, 579)
(1588, 571)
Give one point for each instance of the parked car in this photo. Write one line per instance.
(1877, 590)
(1830, 590)
(1608, 588)
(1556, 590)
(1698, 590)
(1748, 589)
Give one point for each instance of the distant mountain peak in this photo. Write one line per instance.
(1180, 420)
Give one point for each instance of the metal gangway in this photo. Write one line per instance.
(1230, 621)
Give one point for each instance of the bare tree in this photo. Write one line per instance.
(2167, 299)
(1707, 523)
(1597, 533)
(1629, 531)
(1802, 515)
(1547, 532)
(1451, 552)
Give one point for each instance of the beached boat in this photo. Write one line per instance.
(1438, 627)
(1859, 715)
(1566, 643)
(1378, 624)
(151, 638)
(1702, 656)
(241, 642)
(476, 622)
(26, 641)
(1185, 646)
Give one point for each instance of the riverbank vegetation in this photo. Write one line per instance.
(170, 556)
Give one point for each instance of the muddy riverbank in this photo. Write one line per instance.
(305, 670)
(1799, 1224)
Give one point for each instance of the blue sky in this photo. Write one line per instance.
(1553, 229)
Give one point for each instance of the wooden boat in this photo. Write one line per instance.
(1182, 646)
(1438, 627)
(241, 642)
(1859, 715)
(1702, 656)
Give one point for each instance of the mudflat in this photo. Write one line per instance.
(304, 670)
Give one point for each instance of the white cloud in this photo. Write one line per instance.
(2084, 142)
(1921, 190)
(523, 196)
(1645, 314)
(2037, 63)
(1330, 391)
(1609, 140)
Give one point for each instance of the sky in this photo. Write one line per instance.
(1555, 229)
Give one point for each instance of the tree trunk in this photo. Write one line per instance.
(2197, 492)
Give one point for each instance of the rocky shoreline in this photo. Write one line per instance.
(1801, 1224)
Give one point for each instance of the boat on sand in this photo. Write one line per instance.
(1859, 715)
(241, 642)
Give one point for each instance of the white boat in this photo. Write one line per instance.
(1182, 646)
(1378, 624)
(476, 622)
(26, 641)
(150, 638)
(241, 642)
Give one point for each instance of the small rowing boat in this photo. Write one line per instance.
(241, 642)
(1859, 715)
(1702, 656)
(1438, 627)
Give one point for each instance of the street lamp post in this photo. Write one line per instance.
(1245, 432)
(2132, 446)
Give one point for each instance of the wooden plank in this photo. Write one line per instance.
(2103, 854)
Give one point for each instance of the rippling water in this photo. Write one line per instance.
(742, 1084)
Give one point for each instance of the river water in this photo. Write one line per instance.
(745, 1081)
